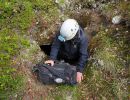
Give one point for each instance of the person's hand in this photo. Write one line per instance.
(49, 62)
(79, 77)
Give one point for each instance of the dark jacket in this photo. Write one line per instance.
(71, 50)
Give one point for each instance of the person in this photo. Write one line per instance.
(70, 45)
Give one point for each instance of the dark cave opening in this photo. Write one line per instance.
(46, 49)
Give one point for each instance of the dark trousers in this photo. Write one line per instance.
(67, 59)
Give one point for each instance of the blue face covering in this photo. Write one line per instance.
(61, 38)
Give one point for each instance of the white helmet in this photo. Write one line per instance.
(68, 30)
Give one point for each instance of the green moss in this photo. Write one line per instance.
(47, 9)
(10, 80)
(124, 6)
(61, 2)
(9, 85)
(16, 17)
(20, 14)
(109, 9)
(16, 14)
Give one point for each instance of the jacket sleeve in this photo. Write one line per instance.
(83, 54)
(55, 48)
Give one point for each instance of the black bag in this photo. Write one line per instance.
(59, 73)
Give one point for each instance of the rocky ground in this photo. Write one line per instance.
(107, 25)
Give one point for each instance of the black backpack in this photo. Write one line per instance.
(60, 73)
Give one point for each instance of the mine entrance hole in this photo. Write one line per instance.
(46, 48)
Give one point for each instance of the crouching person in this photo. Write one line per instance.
(70, 45)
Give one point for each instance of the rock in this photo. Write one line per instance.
(94, 5)
(128, 24)
(100, 62)
(116, 19)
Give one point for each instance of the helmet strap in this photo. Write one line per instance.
(61, 38)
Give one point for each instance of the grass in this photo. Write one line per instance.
(104, 77)
(15, 19)
(63, 92)
(104, 80)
